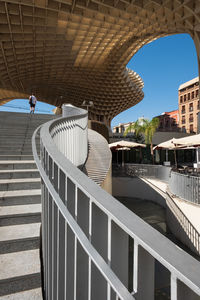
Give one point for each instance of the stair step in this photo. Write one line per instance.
(21, 288)
(19, 263)
(19, 209)
(16, 147)
(20, 197)
(34, 294)
(22, 231)
(19, 245)
(23, 218)
(17, 142)
(17, 164)
(13, 174)
(15, 152)
(16, 157)
(19, 184)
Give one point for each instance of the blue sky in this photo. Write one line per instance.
(22, 105)
(163, 65)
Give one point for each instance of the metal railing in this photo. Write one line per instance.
(86, 236)
(186, 187)
(190, 231)
(155, 171)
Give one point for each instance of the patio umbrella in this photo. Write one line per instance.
(122, 143)
(168, 145)
(122, 149)
(188, 141)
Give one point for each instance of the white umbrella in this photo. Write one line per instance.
(188, 141)
(166, 145)
(122, 143)
(123, 148)
(182, 143)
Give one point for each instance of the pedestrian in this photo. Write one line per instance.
(32, 102)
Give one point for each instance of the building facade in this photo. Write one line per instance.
(122, 127)
(188, 95)
(169, 121)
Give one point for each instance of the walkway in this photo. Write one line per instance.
(190, 210)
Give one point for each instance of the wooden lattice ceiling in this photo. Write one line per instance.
(78, 49)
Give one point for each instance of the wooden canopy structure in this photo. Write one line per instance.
(70, 51)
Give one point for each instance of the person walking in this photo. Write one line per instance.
(32, 102)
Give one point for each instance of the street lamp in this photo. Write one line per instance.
(87, 104)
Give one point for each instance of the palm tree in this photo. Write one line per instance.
(136, 127)
(148, 128)
(138, 137)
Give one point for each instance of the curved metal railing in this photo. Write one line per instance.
(185, 186)
(92, 253)
(190, 231)
(86, 236)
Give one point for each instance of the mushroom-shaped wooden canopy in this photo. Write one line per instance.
(70, 51)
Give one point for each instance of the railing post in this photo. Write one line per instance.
(119, 253)
(146, 274)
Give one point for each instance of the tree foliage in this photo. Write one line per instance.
(147, 128)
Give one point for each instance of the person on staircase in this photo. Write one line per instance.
(32, 102)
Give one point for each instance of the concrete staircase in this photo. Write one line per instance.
(20, 208)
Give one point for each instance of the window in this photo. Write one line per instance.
(184, 98)
(197, 93)
(183, 109)
(198, 107)
(183, 120)
(181, 99)
(188, 96)
(191, 118)
(191, 128)
(191, 107)
(192, 94)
